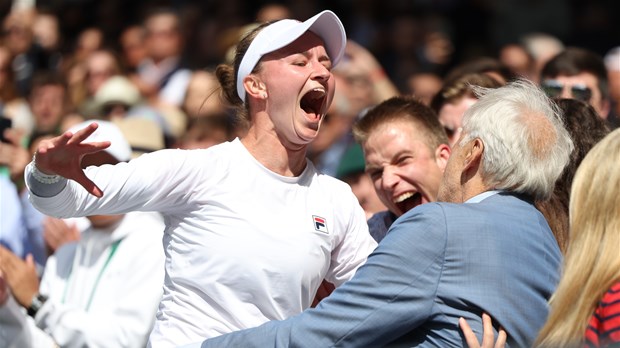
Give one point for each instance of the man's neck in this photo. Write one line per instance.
(473, 187)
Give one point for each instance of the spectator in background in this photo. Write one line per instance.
(485, 65)
(586, 130)
(229, 39)
(424, 86)
(15, 232)
(580, 74)
(584, 308)
(272, 11)
(412, 43)
(28, 57)
(49, 101)
(519, 61)
(12, 105)
(133, 45)
(46, 32)
(13, 155)
(203, 95)
(161, 77)
(74, 65)
(89, 40)
(542, 47)
(406, 151)
(115, 97)
(455, 97)
(176, 121)
(361, 66)
(102, 290)
(118, 98)
(12, 223)
(612, 63)
(352, 171)
(206, 131)
(144, 135)
(100, 66)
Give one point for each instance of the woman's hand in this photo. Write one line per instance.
(488, 337)
(62, 156)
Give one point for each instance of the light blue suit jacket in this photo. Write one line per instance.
(439, 262)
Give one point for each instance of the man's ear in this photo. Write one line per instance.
(442, 154)
(255, 87)
(473, 154)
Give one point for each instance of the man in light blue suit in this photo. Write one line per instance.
(485, 248)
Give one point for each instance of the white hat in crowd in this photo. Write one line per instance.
(117, 90)
(107, 131)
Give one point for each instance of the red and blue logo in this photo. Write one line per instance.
(319, 224)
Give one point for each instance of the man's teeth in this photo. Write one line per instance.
(403, 197)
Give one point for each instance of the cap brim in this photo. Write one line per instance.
(329, 28)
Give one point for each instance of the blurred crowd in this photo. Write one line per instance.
(63, 62)
(148, 68)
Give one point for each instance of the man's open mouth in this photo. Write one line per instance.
(408, 201)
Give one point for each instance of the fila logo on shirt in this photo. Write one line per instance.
(319, 224)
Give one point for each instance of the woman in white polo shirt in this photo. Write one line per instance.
(251, 227)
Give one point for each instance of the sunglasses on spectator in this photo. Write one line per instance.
(554, 89)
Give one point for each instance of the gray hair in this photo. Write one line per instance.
(526, 145)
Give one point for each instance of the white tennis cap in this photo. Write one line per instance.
(283, 32)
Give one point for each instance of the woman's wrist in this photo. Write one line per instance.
(41, 176)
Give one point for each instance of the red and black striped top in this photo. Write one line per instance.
(604, 327)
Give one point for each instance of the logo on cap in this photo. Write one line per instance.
(319, 224)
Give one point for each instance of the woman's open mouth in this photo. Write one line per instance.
(313, 103)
